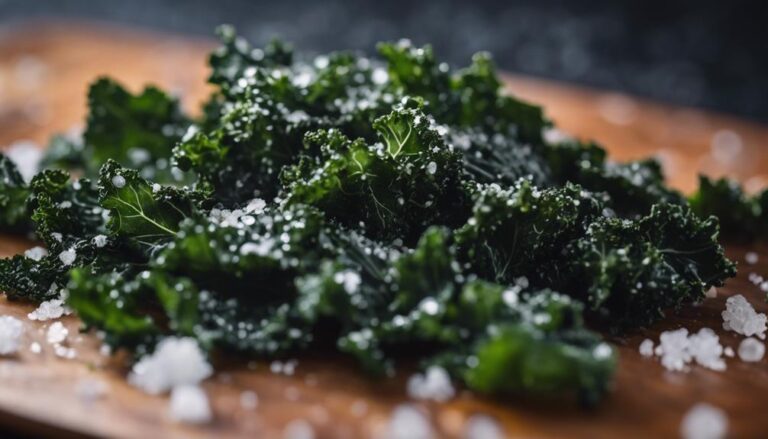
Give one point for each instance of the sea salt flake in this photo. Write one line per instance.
(11, 330)
(739, 316)
(407, 422)
(89, 389)
(751, 258)
(36, 253)
(249, 400)
(56, 333)
(26, 155)
(705, 348)
(298, 429)
(176, 361)
(704, 421)
(751, 350)
(49, 310)
(118, 181)
(67, 257)
(646, 348)
(189, 404)
(35, 347)
(100, 241)
(482, 427)
(434, 384)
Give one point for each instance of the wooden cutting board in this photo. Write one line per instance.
(44, 71)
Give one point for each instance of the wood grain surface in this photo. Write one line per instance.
(44, 72)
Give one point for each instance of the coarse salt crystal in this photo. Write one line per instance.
(435, 385)
(175, 362)
(11, 330)
(67, 257)
(35, 347)
(57, 333)
(189, 404)
(751, 258)
(482, 427)
(705, 348)
(298, 429)
(36, 253)
(249, 400)
(674, 349)
(48, 310)
(704, 421)
(407, 422)
(118, 181)
(100, 241)
(89, 389)
(646, 348)
(751, 350)
(740, 317)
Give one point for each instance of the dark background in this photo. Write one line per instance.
(711, 54)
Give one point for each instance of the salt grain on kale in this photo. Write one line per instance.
(36, 253)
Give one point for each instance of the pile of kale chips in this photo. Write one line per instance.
(385, 208)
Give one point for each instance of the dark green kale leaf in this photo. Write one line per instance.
(742, 217)
(517, 231)
(400, 187)
(526, 357)
(145, 213)
(115, 303)
(633, 186)
(631, 272)
(14, 215)
(139, 131)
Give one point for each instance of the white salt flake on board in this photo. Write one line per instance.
(751, 350)
(90, 389)
(674, 349)
(189, 404)
(751, 258)
(704, 421)
(705, 348)
(646, 348)
(298, 429)
(249, 400)
(176, 361)
(11, 330)
(728, 352)
(36, 253)
(740, 317)
(49, 310)
(407, 422)
(57, 333)
(434, 384)
(35, 347)
(482, 427)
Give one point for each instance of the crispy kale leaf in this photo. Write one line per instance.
(400, 186)
(741, 216)
(139, 131)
